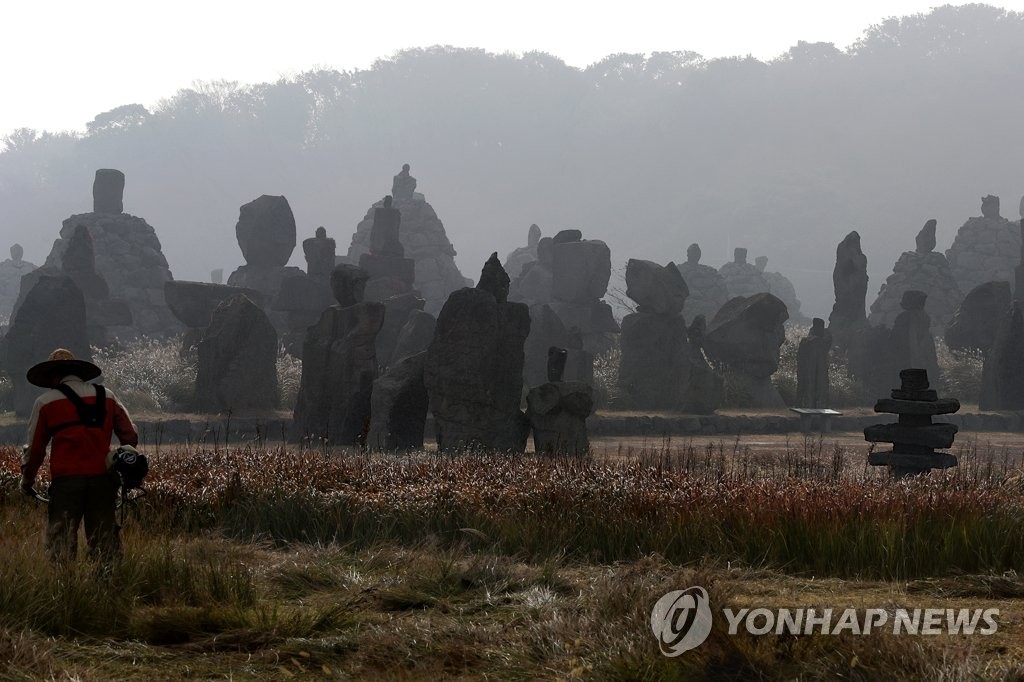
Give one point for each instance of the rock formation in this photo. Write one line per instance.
(986, 248)
(424, 241)
(339, 364)
(128, 255)
(546, 330)
(193, 304)
(11, 272)
(923, 270)
(51, 316)
(654, 371)
(745, 337)
(302, 297)
(237, 359)
(742, 278)
(474, 367)
(707, 287)
(812, 383)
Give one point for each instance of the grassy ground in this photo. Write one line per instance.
(270, 564)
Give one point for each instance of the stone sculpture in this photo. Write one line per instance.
(912, 340)
(923, 270)
(707, 287)
(745, 337)
(266, 236)
(515, 261)
(128, 256)
(850, 281)
(914, 437)
(654, 371)
(51, 316)
(742, 278)
(11, 272)
(706, 386)
(237, 359)
(975, 322)
(423, 239)
(812, 383)
(398, 406)
(783, 289)
(339, 365)
(558, 411)
(1002, 376)
(985, 249)
(474, 367)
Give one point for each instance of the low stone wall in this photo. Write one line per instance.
(247, 430)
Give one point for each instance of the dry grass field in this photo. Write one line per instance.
(263, 562)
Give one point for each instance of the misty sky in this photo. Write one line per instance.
(65, 61)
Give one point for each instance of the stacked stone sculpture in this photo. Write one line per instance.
(812, 382)
(558, 410)
(745, 337)
(925, 270)
(783, 289)
(339, 365)
(707, 287)
(11, 272)
(655, 369)
(914, 437)
(237, 360)
(742, 278)
(423, 238)
(51, 316)
(474, 367)
(128, 255)
(985, 249)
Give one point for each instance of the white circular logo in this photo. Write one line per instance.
(681, 620)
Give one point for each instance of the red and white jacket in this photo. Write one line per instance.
(76, 450)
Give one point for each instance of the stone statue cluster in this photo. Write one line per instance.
(423, 239)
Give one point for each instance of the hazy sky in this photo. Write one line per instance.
(65, 61)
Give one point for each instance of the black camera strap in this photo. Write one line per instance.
(91, 416)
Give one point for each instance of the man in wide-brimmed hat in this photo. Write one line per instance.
(77, 420)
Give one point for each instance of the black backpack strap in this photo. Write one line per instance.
(88, 415)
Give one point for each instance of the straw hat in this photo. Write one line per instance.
(60, 364)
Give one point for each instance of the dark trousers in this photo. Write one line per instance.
(77, 498)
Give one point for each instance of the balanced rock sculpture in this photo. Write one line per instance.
(558, 410)
(914, 437)
(986, 248)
